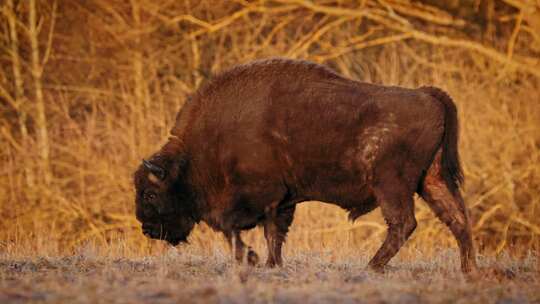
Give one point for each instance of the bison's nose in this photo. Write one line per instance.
(147, 230)
(145, 227)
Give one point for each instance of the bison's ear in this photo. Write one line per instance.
(155, 169)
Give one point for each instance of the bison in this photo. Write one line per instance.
(264, 136)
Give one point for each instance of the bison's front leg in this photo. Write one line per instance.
(239, 248)
(276, 227)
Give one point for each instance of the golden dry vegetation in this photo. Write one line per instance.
(89, 88)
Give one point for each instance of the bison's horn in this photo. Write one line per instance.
(155, 169)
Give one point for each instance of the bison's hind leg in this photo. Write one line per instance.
(450, 209)
(397, 206)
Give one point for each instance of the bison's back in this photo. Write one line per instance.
(250, 98)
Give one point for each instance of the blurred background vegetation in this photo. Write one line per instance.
(89, 88)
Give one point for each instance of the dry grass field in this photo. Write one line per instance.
(89, 88)
(184, 275)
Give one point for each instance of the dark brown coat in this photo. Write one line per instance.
(264, 136)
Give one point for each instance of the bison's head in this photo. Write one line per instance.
(164, 201)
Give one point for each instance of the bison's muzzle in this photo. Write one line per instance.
(158, 231)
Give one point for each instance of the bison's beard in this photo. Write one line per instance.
(173, 232)
(175, 241)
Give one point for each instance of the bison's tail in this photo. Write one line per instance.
(451, 168)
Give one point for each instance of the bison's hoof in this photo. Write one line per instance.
(376, 268)
(271, 263)
(252, 258)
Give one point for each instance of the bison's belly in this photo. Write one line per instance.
(336, 185)
(356, 198)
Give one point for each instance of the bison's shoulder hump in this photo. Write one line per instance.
(268, 68)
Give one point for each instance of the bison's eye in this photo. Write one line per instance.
(149, 196)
